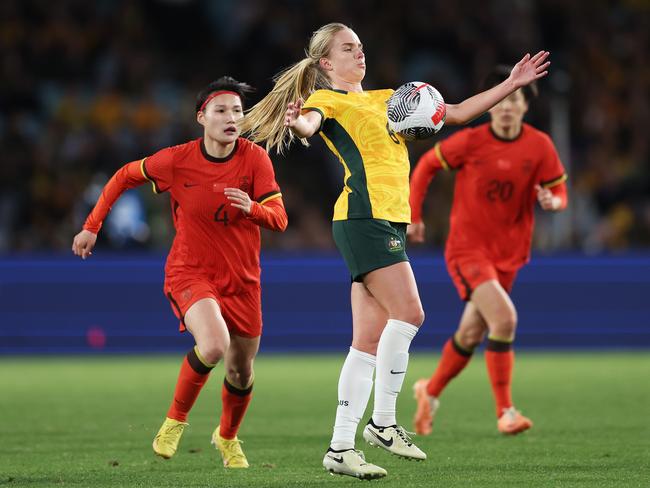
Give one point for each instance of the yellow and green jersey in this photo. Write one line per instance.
(375, 160)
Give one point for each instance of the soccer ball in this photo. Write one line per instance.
(416, 110)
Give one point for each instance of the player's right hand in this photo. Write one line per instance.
(83, 243)
(415, 232)
(293, 113)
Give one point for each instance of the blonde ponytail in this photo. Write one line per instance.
(264, 122)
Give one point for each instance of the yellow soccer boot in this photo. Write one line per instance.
(166, 441)
(230, 449)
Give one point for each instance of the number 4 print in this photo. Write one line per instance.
(220, 215)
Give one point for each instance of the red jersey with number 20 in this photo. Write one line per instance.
(494, 194)
(213, 238)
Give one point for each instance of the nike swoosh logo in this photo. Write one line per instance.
(397, 372)
(190, 185)
(337, 459)
(385, 442)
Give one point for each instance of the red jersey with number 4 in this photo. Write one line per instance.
(213, 238)
(494, 195)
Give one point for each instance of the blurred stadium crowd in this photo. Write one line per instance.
(89, 86)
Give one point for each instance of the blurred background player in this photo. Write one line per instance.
(503, 167)
(222, 190)
(369, 223)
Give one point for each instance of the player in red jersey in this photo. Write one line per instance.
(502, 167)
(222, 189)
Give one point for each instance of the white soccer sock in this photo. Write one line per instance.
(392, 361)
(355, 385)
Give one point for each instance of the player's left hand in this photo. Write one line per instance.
(239, 199)
(415, 232)
(546, 199)
(530, 69)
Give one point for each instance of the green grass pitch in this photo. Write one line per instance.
(89, 422)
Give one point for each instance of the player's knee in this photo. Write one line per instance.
(411, 313)
(216, 350)
(506, 324)
(240, 375)
(469, 338)
(369, 346)
(416, 316)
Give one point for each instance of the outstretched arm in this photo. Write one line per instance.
(525, 72)
(128, 176)
(302, 125)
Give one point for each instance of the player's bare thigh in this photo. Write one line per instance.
(395, 290)
(471, 329)
(239, 360)
(368, 319)
(204, 320)
(496, 308)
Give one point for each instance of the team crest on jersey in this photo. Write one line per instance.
(474, 270)
(186, 294)
(244, 183)
(394, 244)
(504, 163)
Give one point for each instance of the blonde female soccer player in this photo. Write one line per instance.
(369, 224)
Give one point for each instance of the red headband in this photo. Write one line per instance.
(216, 94)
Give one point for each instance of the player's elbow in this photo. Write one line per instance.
(281, 221)
(283, 224)
(283, 218)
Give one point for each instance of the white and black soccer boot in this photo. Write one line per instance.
(394, 439)
(351, 462)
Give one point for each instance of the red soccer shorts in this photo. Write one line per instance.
(468, 271)
(242, 312)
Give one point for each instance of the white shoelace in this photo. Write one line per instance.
(405, 435)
